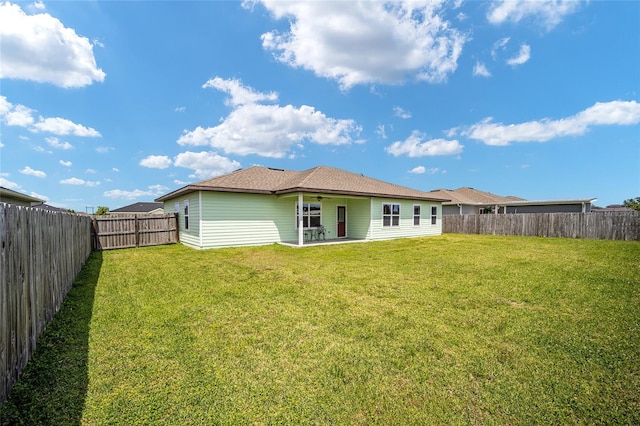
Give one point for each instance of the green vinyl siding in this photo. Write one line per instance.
(191, 236)
(358, 218)
(233, 219)
(406, 227)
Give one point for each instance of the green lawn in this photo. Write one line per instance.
(451, 329)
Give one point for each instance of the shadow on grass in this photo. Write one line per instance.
(53, 386)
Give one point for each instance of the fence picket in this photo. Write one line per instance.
(600, 225)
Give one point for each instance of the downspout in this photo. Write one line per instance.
(300, 220)
(460, 207)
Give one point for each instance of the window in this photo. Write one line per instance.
(434, 215)
(176, 207)
(186, 214)
(416, 214)
(390, 214)
(311, 215)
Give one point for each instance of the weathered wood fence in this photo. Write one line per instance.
(41, 254)
(600, 225)
(114, 232)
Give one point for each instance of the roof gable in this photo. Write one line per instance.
(467, 195)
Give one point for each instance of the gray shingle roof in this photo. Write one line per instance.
(467, 195)
(321, 179)
(141, 207)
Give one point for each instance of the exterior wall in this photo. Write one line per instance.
(232, 219)
(191, 236)
(359, 218)
(406, 228)
(455, 209)
(220, 219)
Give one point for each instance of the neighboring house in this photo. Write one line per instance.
(612, 208)
(261, 205)
(139, 208)
(10, 196)
(473, 201)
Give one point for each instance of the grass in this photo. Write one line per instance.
(453, 329)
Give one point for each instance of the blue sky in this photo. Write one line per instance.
(109, 103)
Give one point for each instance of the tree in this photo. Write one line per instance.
(102, 210)
(632, 203)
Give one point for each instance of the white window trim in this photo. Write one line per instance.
(391, 216)
(185, 206)
(419, 215)
(308, 215)
(434, 216)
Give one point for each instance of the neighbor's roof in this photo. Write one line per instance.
(473, 196)
(321, 179)
(9, 194)
(142, 207)
(467, 195)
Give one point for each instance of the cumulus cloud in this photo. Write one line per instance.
(151, 191)
(360, 42)
(418, 170)
(416, 146)
(156, 162)
(65, 163)
(22, 116)
(623, 113)
(522, 57)
(206, 164)
(239, 94)
(547, 13)
(9, 184)
(55, 142)
(40, 48)
(267, 130)
(79, 182)
(31, 172)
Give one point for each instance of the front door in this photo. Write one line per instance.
(342, 221)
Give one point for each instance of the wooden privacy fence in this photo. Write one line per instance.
(41, 254)
(601, 225)
(113, 232)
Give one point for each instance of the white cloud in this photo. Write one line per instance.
(79, 182)
(62, 126)
(523, 56)
(268, 130)
(115, 169)
(156, 162)
(9, 184)
(414, 146)
(418, 170)
(547, 13)
(206, 164)
(104, 149)
(90, 171)
(65, 163)
(54, 142)
(152, 191)
(31, 172)
(180, 109)
(422, 170)
(239, 94)
(399, 112)
(40, 48)
(480, 69)
(22, 116)
(380, 131)
(602, 113)
(499, 46)
(360, 42)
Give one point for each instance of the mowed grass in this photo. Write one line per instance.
(453, 329)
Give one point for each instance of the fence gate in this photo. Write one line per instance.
(114, 232)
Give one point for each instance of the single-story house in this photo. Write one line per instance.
(10, 196)
(468, 200)
(262, 205)
(139, 208)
